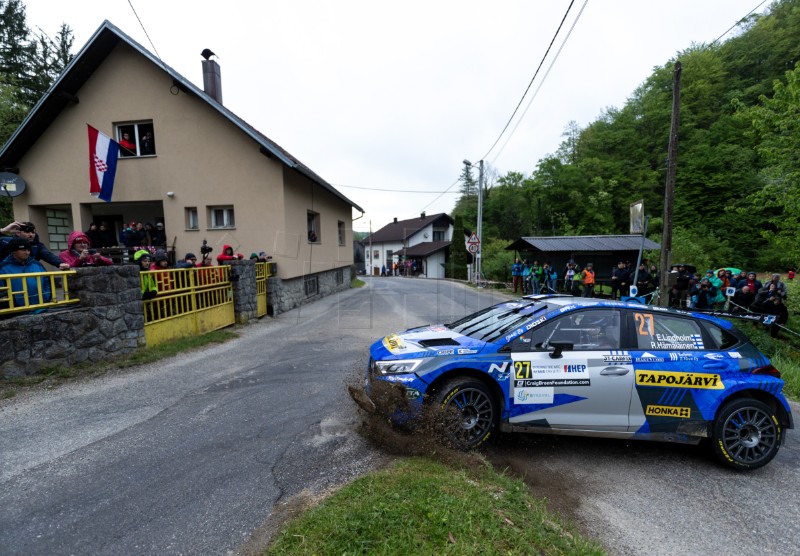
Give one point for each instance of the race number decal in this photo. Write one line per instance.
(522, 369)
(644, 324)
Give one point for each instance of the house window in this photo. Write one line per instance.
(389, 254)
(340, 226)
(376, 254)
(313, 227)
(438, 235)
(340, 276)
(311, 285)
(136, 139)
(192, 222)
(221, 217)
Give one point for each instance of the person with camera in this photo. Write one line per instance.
(80, 252)
(20, 261)
(228, 255)
(704, 294)
(39, 251)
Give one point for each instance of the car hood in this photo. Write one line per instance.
(425, 341)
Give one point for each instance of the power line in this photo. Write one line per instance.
(390, 190)
(531, 81)
(738, 22)
(145, 31)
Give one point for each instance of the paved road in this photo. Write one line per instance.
(189, 456)
(193, 455)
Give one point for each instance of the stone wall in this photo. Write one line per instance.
(243, 280)
(285, 295)
(107, 323)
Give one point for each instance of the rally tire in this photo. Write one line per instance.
(746, 434)
(467, 413)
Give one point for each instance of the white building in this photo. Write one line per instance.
(423, 241)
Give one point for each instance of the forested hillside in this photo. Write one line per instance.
(738, 172)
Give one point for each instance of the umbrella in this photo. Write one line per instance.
(734, 271)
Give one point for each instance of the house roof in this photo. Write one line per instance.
(403, 229)
(583, 244)
(66, 87)
(425, 249)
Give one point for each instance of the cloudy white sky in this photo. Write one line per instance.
(385, 99)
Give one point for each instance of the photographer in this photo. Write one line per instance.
(205, 251)
(39, 251)
(80, 252)
(703, 295)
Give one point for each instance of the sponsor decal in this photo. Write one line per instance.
(412, 393)
(667, 379)
(537, 322)
(533, 395)
(528, 369)
(649, 357)
(682, 356)
(668, 411)
(574, 368)
(617, 357)
(501, 369)
(465, 351)
(735, 354)
(445, 352)
(437, 328)
(393, 378)
(676, 341)
(393, 342)
(714, 356)
(566, 308)
(538, 383)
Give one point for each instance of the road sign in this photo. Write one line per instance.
(473, 240)
(472, 248)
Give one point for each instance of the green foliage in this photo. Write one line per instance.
(458, 255)
(496, 261)
(419, 506)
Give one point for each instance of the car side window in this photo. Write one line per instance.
(591, 329)
(655, 330)
(722, 338)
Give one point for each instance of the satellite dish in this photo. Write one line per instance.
(425, 235)
(11, 184)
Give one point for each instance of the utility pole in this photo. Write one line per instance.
(480, 223)
(669, 189)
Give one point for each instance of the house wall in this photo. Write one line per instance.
(202, 158)
(434, 265)
(375, 263)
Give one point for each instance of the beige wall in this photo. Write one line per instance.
(201, 156)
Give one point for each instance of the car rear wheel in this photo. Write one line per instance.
(747, 434)
(468, 413)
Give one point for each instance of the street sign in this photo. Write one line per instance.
(473, 240)
(472, 248)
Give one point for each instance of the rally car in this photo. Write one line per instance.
(579, 366)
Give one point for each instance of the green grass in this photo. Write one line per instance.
(57, 374)
(420, 506)
(356, 283)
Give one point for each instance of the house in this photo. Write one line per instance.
(190, 163)
(423, 241)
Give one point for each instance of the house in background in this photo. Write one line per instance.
(424, 241)
(186, 161)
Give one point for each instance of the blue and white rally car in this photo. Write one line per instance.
(579, 366)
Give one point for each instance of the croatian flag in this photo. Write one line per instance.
(103, 153)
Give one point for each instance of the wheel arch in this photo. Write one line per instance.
(494, 387)
(774, 403)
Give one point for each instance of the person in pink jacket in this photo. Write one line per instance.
(80, 252)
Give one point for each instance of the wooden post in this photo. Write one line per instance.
(669, 189)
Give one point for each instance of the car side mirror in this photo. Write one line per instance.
(559, 347)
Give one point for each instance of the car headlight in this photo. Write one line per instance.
(397, 367)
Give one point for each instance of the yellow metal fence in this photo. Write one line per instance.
(35, 292)
(189, 302)
(263, 271)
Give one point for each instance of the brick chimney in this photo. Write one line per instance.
(212, 77)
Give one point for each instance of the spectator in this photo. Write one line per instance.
(720, 281)
(743, 299)
(526, 278)
(619, 280)
(587, 275)
(704, 295)
(776, 306)
(144, 259)
(228, 255)
(681, 287)
(80, 252)
(127, 147)
(148, 144)
(128, 237)
(738, 278)
(569, 276)
(780, 287)
(159, 235)
(383, 269)
(516, 274)
(20, 261)
(790, 275)
(106, 236)
(766, 293)
(93, 233)
(550, 278)
(189, 261)
(164, 280)
(39, 251)
(653, 270)
(751, 282)
(536, 276)
(644, 281)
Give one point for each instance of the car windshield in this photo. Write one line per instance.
(494, 322)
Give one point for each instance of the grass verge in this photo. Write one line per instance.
(58, 374)
(356, 283)
(421, 506)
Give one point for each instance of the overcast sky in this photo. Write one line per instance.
(384, 100)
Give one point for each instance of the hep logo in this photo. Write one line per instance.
(574, 368)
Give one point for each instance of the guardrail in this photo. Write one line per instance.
(190, 301)
(35, 292)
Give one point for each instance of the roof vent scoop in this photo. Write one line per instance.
(212, 76)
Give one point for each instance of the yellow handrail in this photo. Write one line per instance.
(35, 291)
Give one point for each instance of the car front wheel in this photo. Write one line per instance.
(468, 413)
(747, 434)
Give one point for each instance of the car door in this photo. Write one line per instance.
(585, 387)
